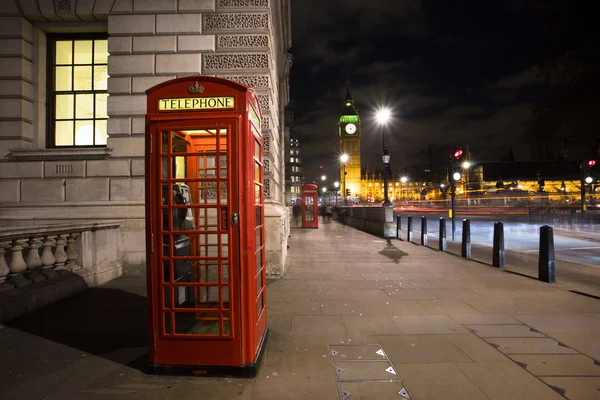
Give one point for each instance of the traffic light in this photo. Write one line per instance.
(588, 173)
(455, 160)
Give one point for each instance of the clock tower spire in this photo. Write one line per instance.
(349, 134)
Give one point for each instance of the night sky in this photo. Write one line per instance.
(454, 73)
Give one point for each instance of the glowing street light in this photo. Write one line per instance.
(344, 159)
(383, 117)
(323, 177)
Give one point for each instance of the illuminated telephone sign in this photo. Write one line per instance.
(196, 103)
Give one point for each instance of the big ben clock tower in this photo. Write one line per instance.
(349, 132)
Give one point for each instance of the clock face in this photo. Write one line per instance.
(350, 128)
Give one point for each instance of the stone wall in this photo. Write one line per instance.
(149, 42)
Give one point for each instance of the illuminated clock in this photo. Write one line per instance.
(350, 128)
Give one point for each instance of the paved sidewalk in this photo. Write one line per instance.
(355, 317)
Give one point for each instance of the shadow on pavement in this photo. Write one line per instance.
(392, 252)
(109, 321)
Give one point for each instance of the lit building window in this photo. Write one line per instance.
(78, 91)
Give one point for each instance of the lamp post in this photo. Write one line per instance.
(336, 184)
(383, 116)
(344, 159)
(403, 180)
(466, 165)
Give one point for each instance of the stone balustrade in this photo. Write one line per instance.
(34, 257)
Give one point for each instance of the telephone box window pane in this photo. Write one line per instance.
(258, 260)
(207, 219)
(224, 245)
(223, 139)
(166, 268)
(84, 133)
(165, 168)
(64, 133)
(225, 296)
(65, 104)
(101, 105)
(84, 106)
(257, 193)
(259, 305)
(225, 271)
(100, 51)
(167, 323)
(165, 141)
(184, 296)
(223, 192)
(180, 164)
(258, 237)
(100, 135)
(83, 52)
(64, 52)
(202, 323)
(63, 78)
(257, 150)
(226, 323)
(257, 175)
(207, 271)
(258, 216)
(223, 166)
(259, 282)
(83, 78)
(209, 297)
(207, 166)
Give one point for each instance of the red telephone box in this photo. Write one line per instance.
(310, 206)
(205, 228)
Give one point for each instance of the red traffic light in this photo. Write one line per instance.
(591, 163)
(457, 154)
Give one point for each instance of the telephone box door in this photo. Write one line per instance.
(197, 279)
(310, 206)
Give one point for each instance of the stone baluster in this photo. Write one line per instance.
(72, 252)
(4, 270)
(48, 258)
(33, 261)
(17, 264)
(59, 254)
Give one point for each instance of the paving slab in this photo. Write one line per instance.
(501, 381)
(438, 382)
(476, 348)
(562, 323)
(530, 346)
(345, 307)
(301, 307)
(485, 319)
(586, 343)
(557, 365)
(413, 349)
(368, 324)
(575, 388)
(427, 324)
(500, 331)
(372, 390)
(391, 307)
(448, 306)
(362, 370)
(357, 353)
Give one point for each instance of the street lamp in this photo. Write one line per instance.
(323, 177)
(344, 159)
(466, 165)
(336, 184)
(403, 180)
(383, 116)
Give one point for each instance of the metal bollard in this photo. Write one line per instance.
(546, 265)
(465, 246)
(398, 226)
(443, 242)
(423, 231)
(409, 233)
(498, 249)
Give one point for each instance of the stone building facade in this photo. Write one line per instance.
(49, 177)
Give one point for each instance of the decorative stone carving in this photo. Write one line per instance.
(266, 142)
(48, 258)
(267, 187)
(265, 123)
(243, 3)
(267, 166)
(236, 61)
(60, 254)
(256, 82)
(247, 21)
(237, 41)
(62, 6)
(265, 104)
(72, 253)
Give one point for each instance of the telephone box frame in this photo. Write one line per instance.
(190, 104)
(310, 206)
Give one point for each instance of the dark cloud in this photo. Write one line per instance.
(454, 73)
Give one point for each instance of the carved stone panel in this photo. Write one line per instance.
(246, 21)
(243, 3)
(265, 104)
(242, 41)
(236, 61)
(257, 82)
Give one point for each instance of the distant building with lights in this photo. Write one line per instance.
(293, 162)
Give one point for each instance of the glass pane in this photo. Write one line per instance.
(225, 271)
(101, 105)
(223, 166)
(100, 77)
(83, 52)
(165, 141)
(208, 245)
(257, 150)
(65, 104)
(207, 166)
(206, 271)
(258, 260)
(259, 305)
(207, 219)
(226, 323)
(64, 133)
(225, 297)
(83, 78)
(64, 52)
(101, 51)
(258, 216)
(207, 192)
(224, 192)
(101, 135)
(224, 245)
(258, 238)
(223, 139)
(180, 165)
(257, 173)
(165, 168)
(201, 323)
(84, 106)
(257, 191)
(259, 282)
(167, 323)
(64, 76)
(84, 133)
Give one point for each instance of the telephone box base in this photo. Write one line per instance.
(245, 371)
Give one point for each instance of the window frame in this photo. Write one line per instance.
(51, 92)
